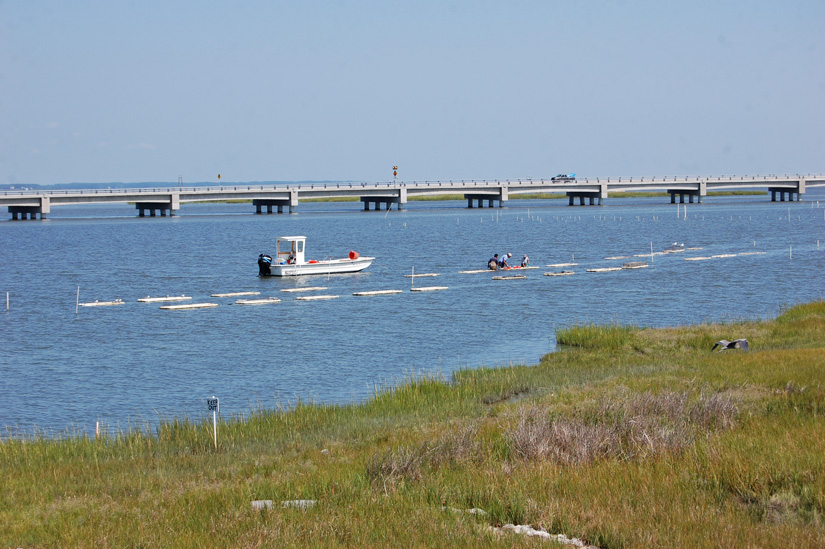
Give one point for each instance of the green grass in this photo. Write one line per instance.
(628, 437)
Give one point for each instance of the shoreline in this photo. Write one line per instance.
(630, 437)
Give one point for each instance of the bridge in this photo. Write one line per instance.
(269, 198)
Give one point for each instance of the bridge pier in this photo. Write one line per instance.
(490, 197)
(783, 192)
(162, 206)
(399, 200)
(377, 200)
(152, 207)
(26, 212)
(31, 211)
(682, 194)
(269, 203)
(594, 197)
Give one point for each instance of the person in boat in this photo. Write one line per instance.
(290, 259)
(502, 263)
(525, 261)
(492, 264)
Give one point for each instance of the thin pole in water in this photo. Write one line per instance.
(77, 301)
(7, 293)
(412, 278)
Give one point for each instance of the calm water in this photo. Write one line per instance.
(130, 364)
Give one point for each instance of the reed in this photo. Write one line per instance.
(588, 335)
(628, 438)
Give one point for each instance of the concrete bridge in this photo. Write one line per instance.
(269, 198)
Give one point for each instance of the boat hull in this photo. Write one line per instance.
(331, 266)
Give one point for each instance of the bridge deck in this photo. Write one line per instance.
(170, 198)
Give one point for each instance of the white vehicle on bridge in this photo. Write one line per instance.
(290, 260)
(562, 177)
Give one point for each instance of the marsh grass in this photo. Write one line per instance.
(593, 336)
(629, 438)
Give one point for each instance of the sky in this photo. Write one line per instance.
(150, 91)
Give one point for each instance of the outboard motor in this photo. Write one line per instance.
(264, 262)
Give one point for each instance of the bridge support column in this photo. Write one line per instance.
(788, 191)
(293, 201)
(585, 197)
(682, 193)
(489, 198)
(161, 205)
(388, 200)
(31, 212)
(269, 203)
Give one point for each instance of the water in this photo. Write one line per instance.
(131, 364)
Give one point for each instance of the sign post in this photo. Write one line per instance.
(215, 407)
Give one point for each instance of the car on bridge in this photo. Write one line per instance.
(564, 177)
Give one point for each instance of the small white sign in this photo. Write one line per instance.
(213, 404)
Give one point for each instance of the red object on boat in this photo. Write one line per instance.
(313, 261)
(353, 255)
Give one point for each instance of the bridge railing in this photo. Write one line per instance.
(413, 184)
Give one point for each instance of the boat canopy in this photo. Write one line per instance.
(290, 246)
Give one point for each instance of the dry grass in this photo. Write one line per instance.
(635, 426)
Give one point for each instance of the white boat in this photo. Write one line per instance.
(290, 260)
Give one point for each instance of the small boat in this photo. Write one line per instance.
(674, 248)
(516, 268)
(290, 260)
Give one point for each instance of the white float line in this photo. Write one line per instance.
(102, 303)
(561, 265)
(148, 299)
(234, 294)
(604, 269)
(562, 273)
(752, 253)
(513, 277)
(315, 297)
(421, 275)
(477, 271)
(378, 292)
(428, 288)
(697, 258)
(618, 257)
(189, 306)
(307, 289)
(257, 301)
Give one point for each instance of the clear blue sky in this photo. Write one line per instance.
(105, 91)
